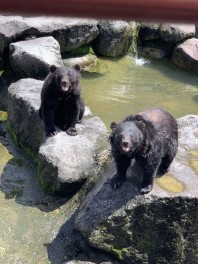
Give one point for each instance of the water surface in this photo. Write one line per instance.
(131, 85)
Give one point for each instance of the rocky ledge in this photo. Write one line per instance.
(64, 163)
(160, 227)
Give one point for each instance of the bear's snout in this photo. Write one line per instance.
(125, 146)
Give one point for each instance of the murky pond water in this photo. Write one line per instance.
(131, 85)
(32, 223)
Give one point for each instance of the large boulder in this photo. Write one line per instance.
(64, 162)
(114, 39)
(158, 40)
(70, 33)
(149, 31)
(33, 58)
(186, 55)
(160, 227)
(175, 33)
(156, 49)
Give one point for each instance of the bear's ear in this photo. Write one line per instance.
(141, 125)
(77, 67)
(53, 68)
(113, 125)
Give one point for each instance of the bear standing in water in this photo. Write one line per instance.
(61, 103)
(151, 138)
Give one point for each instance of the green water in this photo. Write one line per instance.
(131, 85)
(36, 227)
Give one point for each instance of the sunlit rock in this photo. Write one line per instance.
(88, 63)
(160, 227)
(158, 40)
(115, 38)
(186, 55)
(33, 58)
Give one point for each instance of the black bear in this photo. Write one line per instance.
(61, 102)
(149, 137)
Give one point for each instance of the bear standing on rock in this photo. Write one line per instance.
(149, 137)
(61, 102)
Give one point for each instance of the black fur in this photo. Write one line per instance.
(151, 138)
(61, 102)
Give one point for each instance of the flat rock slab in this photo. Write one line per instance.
(160, 227)
(64, 162)
(172, 33)
(32, 58)
(177, 32)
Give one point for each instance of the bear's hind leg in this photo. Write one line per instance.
(165, 165)
(149, 175)
(82, 110)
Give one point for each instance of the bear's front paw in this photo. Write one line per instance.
(79, 121)
(116, 181)
(51, 132)
(71, 131)
(146, 189)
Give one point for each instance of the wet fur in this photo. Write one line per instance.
(153, 145)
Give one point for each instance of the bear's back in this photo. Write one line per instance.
(162, 120)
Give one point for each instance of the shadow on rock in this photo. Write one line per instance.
(103, 201)
(70, 245)
(19, 180)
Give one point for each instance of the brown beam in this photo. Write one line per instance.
(145, 10)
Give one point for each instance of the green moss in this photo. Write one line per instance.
(3, 116)
(34, 157)
(44, 184)
(119, 252)
(134, 32)
(83, 50)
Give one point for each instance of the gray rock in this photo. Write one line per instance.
(115, 38)
(33, 58)
(70, 33)
(64, 162)
(156, 49)
(160, 227)
(85, 61)
(175, 33)
(172, 33)
(23, 104)
(158, 40)
(89, 63)
(149, 31)
(186, 55)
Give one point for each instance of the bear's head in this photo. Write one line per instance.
(128, 138)
(66, 79)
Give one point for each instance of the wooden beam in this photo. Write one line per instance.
(145, 10)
